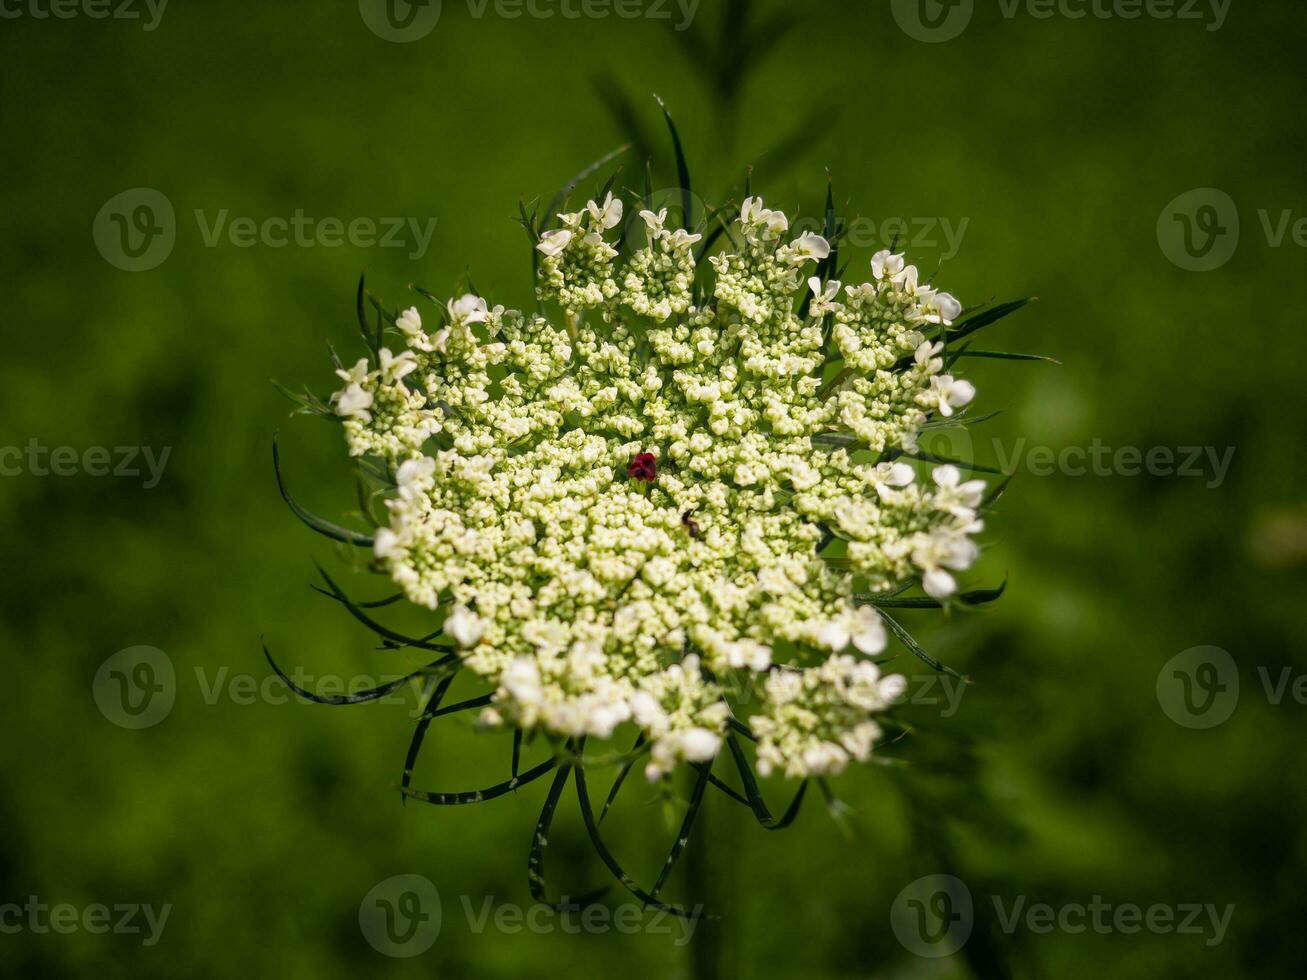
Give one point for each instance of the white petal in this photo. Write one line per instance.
(946, 476)
(961, 393)
(385, 542)
(812, 245)
(893, 687)
(464, 626)
(900, 474)
(949, 307)
(938, 583)
(554, 241)
(834, 635)
(700, 745)
(870, 638)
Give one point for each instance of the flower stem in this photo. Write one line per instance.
(712, 880)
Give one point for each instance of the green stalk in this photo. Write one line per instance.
(712, 880)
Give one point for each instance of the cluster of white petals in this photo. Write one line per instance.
(630, 511)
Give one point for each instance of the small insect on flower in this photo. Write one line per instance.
(643, 467)
(690, 523)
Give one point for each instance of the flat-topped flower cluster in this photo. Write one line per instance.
(632, 510)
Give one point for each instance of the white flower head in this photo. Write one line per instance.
(868, 633)
(356, 375)
(940, 550)
(409, 322)
(810, 247)
(467, 310)
(886, 266)
(555, 241)
(464, 626)
(949, 393)
(834, 634)
(940, 308)
(925, 358)
(415, 471)
(681, 238)
(395, 367)
(608, 214)
(959, 498)
(889, 477)
(826, 293)
(654, 221)
(385, 543)
(354, 402)
(627, 503)
(760, 223)
(750, 210)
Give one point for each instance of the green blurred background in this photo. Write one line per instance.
(1059, 775)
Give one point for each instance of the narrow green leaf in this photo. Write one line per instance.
(1006, 356)
(907, 640)
(551, 213)
(636, 753)
(372, 604)
(337, 699)
(984, 318)
(946, 461)
(682, 169)
(976, 597)
(760, 811)
(734, 794)
(606, 856)
(323, 527)
(997, 491)
(438, 688)
(422, 643)
(481, 795)
(309, 403)
(535, 860)
(683, 835)
(362, 311)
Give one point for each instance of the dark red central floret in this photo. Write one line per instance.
(643, 467)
